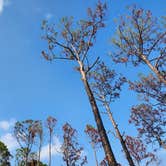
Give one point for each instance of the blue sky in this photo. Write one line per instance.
(31, 88)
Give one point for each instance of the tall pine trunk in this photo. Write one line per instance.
(125, 149)
(154, 69)
(104, 138)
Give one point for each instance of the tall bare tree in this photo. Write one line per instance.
(139, 151)
(50, 123)
(95, 140)
(71, 150)
(25, 135)
(141, 40)
(38, 129)
(106, 87)
(149, 116)
(75, 41)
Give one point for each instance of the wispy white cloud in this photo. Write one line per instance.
(7, 137)
(56, 149)
(9, 140)
(3, 3)
(6, 125)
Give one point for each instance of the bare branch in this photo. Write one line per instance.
(96, 61)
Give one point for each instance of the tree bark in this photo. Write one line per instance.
(161, 142)
(160, 77)
(104, 138)
(127, 154)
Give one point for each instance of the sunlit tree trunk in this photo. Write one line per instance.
(160, 77)
(118, 134)
(104, 138)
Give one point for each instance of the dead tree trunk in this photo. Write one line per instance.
(118, 134)
(104, 138)
(160, 77)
